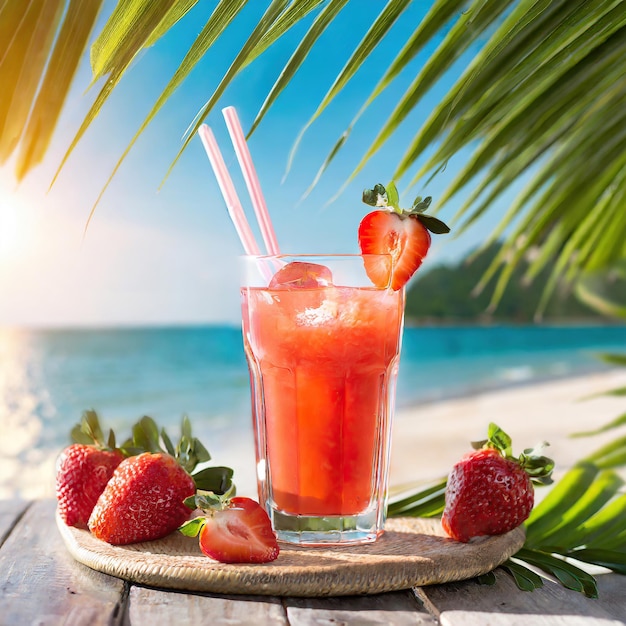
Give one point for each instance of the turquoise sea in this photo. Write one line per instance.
(48, 377)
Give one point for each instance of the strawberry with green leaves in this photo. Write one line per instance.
(232, 530)
(402, 234)
(144, 499)
(84, 469)
(489, 491)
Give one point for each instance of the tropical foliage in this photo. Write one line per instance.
(542, 98)
(451, 297)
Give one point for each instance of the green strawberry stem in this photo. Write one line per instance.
(207, 502)
(537, 466)
(188, 451)
(388, 197)
(89, 432)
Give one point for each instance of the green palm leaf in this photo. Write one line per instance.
(69, 46)
(542, 95)
(268, 19)
(525, 89)
(220, 19)
(616, 423)
(125, 33)
(605, 558)
(605, 289)
(295, 12)
(602, 527)
(524, 578)
(467, 28)
(567, 574)
(108, 54)
(436, 19)
(297, 58)
(29, 31)
(613, 454)
(564, 530)
(612, 358)
(425, 503)
(133, 25)
(372, 38)
(550, 510)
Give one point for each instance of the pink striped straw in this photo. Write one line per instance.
(229, 193)
(252, 180)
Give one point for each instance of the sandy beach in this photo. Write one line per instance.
(427, 439)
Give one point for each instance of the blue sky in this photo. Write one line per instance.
(170, 256)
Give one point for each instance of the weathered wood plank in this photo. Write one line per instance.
(41, 583)
(612, 594)
(10, 511)
(147, 606)
(399, 608)
(503, 604)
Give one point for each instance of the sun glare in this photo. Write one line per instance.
(12, 230)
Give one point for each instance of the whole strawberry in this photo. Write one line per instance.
(400, 238)
(232, 530)
(84, 469)
(490, 492)
(144, 500)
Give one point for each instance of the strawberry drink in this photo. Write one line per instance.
(322, 337)
(323, 352)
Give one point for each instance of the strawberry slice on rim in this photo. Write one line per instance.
(402, 235)
(403, 241)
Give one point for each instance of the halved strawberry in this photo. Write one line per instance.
(235, 530)
(402, 237)
(401, 234)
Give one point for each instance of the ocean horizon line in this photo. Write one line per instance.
(410, 322)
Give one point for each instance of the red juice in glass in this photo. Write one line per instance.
(323, 355)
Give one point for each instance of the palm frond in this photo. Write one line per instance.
(266, 22)
(71, 41)
(542, 98)
(293, 14)
(615, 423)
(439, 15)
(320, 24)
(605, 289)
(468, 27)
(427, 502)
(386, 19)
(28, 32)
(219, 20)
(125, 33)
(133, 25)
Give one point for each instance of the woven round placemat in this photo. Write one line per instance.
(412, 552)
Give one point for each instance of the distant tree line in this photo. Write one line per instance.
(444, 293)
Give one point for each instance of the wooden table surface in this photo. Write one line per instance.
(40, 583)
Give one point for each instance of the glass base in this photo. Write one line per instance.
(312, 530)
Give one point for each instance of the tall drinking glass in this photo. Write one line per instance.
(322, 345)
